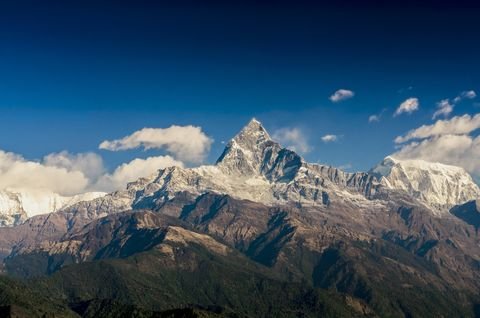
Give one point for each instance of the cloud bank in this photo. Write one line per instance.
(89, 163)
(18, 173)
(456, 126)
(69, 174)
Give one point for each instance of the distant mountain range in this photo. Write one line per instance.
(17, 205)
(261, 233)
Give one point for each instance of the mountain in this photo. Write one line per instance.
(256, 168)
(16, 205)
(145, 251)
(252, 167)
(439, 186)
(263, 233)
(235, 248)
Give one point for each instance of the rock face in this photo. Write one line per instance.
(437, 185)
(380, 254)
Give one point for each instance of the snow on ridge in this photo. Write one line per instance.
(438, 185)
(256, 168)
(18, 204)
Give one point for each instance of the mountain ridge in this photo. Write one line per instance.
(262, 207)
(255, 167)
(440, 186)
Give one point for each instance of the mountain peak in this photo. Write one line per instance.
(384, 168)
(439, 185)
(245, 152)
(252, 134)
(254, 122)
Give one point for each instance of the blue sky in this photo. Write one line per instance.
(73, 75)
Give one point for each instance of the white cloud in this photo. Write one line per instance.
(465, 95)
(444, 108)
(341, 94)
(329, 138)
(185, 143)
(456, 125)
(446, 141)
(292, 138)
(133, 170)
(90, 164)
(69, 174)
(19, 173)
(408, 106)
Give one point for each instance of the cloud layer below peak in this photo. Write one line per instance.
(69, 174)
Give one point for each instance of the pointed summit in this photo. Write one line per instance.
(254, 124)
(252, 135)
(252, 152)
(245, 152)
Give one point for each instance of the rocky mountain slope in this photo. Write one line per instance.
(391, 272)
(265, 228)
(256, 168)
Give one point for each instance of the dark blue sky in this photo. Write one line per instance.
(75, 73)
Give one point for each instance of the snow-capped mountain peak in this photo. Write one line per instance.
(256, 168)
(438, 185)
(252, 135)
(253, 153)
(244, 154)
(16, 205)
(252, 167)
